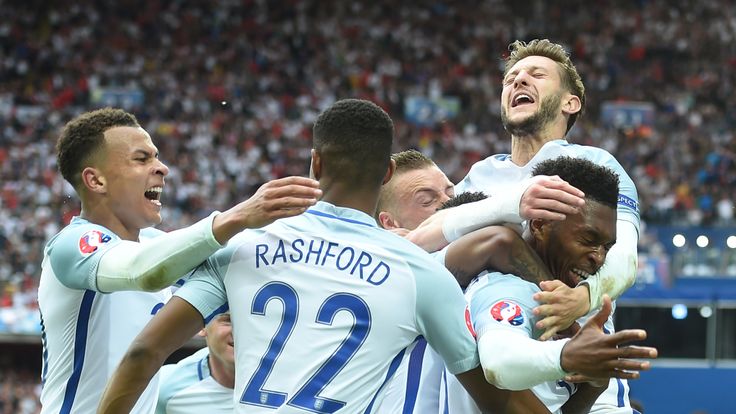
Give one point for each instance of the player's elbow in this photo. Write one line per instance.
(142, 354)
(154, 279)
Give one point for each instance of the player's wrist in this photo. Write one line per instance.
(582, 294)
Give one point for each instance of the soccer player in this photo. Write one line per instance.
(541, 99)
(418, 183)
(501, 305)
(324, 304)
(204, 381)
(103, 274)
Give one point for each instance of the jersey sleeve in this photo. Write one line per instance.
(628, 198)
(75, 254)
(205, 288)
(504, 303)
(441, 318)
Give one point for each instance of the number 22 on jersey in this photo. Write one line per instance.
(307, 397)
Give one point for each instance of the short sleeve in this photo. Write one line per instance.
(75, 253)
(505, 303)
(205, 288)
(441, 317)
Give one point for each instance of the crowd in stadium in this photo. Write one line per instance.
(229, 90)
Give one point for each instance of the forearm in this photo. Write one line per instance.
(496, 248)
(469, 217)
(583, 399)
(158, 262)
(516, 362)
(171, 328)
(619, 271)
(131, 377)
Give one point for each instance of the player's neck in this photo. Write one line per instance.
(105, 217)
(525, 147)
(342, 195)
(222, 372)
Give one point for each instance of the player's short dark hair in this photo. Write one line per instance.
(463, 198)
(83, 136)
(568, 73)
(597, 182)
(354, 138)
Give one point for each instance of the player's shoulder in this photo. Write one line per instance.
(175, 377)
(87, 237)
(501, 284)
(582, 151)
(150, 233)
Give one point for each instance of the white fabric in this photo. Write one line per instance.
(156, 263)
(493, 210)
(85, 333)
(516, 362)
(619, 271)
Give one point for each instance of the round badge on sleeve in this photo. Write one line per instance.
(91, 241)
(507, 312)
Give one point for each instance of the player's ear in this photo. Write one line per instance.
(386, 221)
(93, 180)
(202, 333)
(571, 104)
(315, 165)
(539, 229)
(390, 171)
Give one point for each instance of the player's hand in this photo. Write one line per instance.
(281, 198)
(560, 306)
(550, 198)
(591, 355)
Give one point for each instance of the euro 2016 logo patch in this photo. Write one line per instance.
(91, 241)
(507, 312)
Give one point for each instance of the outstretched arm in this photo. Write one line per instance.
(514, 361)
(171, 328)
(159, 262)
(498, 248)
(539, 197)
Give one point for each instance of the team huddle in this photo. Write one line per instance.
(374, 286)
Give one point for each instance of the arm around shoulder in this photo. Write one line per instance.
(158, 262)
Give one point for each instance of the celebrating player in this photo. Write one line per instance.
(501, 305)
(102, 275)
(324, 304)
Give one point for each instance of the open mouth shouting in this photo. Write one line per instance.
(154, 195)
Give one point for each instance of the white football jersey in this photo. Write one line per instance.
(187, 387)
(323, 308)
(495, 174)
(85, 332)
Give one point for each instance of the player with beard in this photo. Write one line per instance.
(541, 99)
(501, 304)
